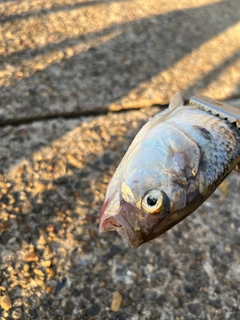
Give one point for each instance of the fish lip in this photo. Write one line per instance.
(104, 207)
(120, 222)
(109, 224)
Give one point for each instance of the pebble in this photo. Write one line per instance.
(93, 311)
(195, 308)
(32, 257)
(38, 272)
(90, 218)
(49, 289)
(216, 303)
(69, 307)
(87, 293)
(74, 161)
(2, 288)
(27, 208)
(61, 284)
(17, 313)
(46, 263)
(50, 273)
(40, 187)
(116, 301)
(50, 228)
(6, 302)
(5, 225)
(26, 267)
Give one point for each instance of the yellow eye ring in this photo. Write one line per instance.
(153, 201)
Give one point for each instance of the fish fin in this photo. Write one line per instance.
(176, 101)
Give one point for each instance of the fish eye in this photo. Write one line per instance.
(153, 201)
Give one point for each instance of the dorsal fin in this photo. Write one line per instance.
(176, 101)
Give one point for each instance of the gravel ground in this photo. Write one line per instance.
(56, 265)
(62, 62)
(74, 57)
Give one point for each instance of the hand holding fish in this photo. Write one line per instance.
(173, 165)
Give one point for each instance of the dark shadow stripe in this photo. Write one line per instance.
(54, 9)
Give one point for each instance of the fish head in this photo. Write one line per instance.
(154, 187)
(136, 202)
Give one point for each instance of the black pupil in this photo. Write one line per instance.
(151, 201)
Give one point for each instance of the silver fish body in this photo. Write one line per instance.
(172, 166)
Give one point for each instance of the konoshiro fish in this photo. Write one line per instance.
(175, 162)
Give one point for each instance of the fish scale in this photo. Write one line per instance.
(220, 109)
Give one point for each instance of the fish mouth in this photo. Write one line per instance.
(121, 222)
(109, 224)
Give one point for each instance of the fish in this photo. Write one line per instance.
(175, 162)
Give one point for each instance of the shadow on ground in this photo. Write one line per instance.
(58, 216)
(103, 74)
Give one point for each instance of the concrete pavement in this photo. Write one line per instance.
(63, 62)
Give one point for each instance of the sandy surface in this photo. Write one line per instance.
(74, 57)
(64, 65)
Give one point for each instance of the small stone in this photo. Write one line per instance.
(50, 273)
(37, 283)
(4, 216)
(41, 240)
(26, 267)
(98, 268)
(32, 257)
(69, 51)
(87, 293)
(195, 308)
(48, 289)
(102, 284)
(90, 218)
(93, 310)
(80, 230)
(161, 299)
(38, 272)
(50, 228)
(40, 187)
(116, 301)
(61, 284)
(74, 161)
(227, 249)
(69, 307)
(46, 263)
(113, 251)
(17, 313)
(149, 268)
(2, 288)
(6, 302)
(216, 303)
(104, 134)
(5, 315)
(5, 225)
(93, 233)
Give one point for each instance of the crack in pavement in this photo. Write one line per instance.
(70, 115)
(84, 113)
